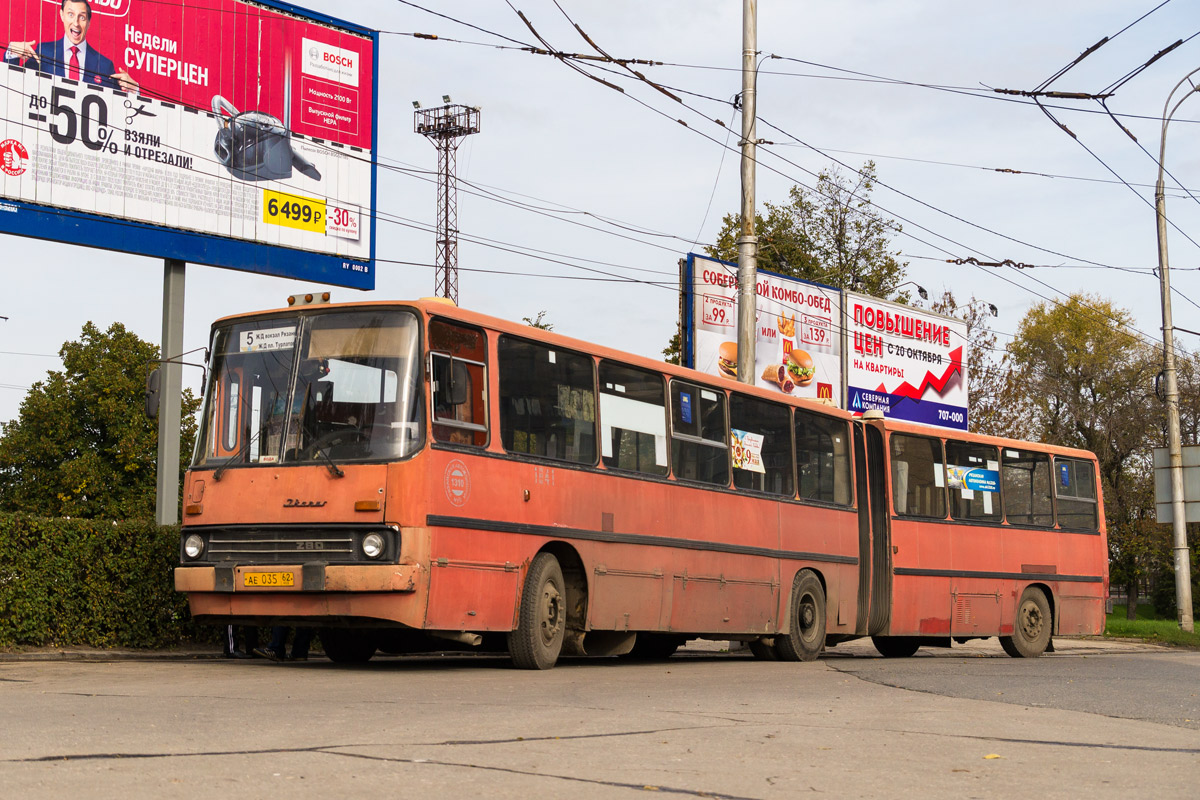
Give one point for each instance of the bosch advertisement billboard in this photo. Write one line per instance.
(218, 132)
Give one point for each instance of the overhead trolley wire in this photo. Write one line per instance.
(1140, 334)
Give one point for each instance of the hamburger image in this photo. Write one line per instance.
(800, 365)
(727, 359)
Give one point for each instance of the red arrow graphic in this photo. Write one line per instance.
(906, 389)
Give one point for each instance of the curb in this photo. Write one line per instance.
(110, 655)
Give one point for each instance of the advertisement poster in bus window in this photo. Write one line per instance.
(798, 346)
(218, 117)
(908, 363)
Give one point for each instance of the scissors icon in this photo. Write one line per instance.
(135, 112)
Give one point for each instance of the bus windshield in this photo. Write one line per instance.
(313, 388)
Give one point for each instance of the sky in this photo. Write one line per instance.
(579, 200)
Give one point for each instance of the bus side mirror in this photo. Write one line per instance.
(153, 394)
(453, 381)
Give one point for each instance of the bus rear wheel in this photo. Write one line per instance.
(896, 646)
(1031, 632)
(347, 647)
(542, 619)
(805, 637)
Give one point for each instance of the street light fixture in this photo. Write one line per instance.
(920, 289)
(991, 307)
(1183, 567)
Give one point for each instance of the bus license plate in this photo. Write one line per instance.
(268, 579)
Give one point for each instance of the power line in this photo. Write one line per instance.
(1042, 86)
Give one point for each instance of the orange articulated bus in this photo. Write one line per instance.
(414, 476)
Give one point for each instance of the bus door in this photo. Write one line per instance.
(874, 539)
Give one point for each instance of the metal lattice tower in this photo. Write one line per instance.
(445, 127)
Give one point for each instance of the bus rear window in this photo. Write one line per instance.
(547, 401)
(1026, 478)
(918, 480)
(1075, 488)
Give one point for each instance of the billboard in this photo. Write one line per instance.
(908, 363)
(219, 132)
(798, 349)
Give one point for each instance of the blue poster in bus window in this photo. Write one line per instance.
(685, 407)
(974, 479)
(1064, 475)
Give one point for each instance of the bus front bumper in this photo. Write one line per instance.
(299, 578)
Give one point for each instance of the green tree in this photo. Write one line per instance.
(993, 402)
(539, 321)
(81, 445)
(1086, 381)
(833, 235)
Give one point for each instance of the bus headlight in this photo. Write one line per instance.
(373, 545)
(193, 545)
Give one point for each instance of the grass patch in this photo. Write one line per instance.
(1147, 628)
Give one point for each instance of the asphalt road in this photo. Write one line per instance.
(1093, 719)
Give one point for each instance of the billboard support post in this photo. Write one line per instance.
(170, 413)
(748, 241)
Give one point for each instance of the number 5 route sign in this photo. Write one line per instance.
(230, 133)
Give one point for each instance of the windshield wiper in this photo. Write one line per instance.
(334, 469)
(240, 452)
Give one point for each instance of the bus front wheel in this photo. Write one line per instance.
(542, 619)
(1032, 629)
(805, 637)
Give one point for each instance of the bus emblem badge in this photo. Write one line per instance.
(292, 502)
(457, 483)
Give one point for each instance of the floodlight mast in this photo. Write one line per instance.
(445, 127)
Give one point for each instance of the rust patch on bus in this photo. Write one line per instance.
(195, 579)
(374, 578)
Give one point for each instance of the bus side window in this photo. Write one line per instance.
(458, 383)
(973, 477)
(547, 401)
(1075, 489)
(1026, 489)
(822, 458)
(698, 434)
(918, 479)
(633, 419)
(761, 437)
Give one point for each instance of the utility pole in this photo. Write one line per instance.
(1183, 565)
(748, 241)
(445, 127)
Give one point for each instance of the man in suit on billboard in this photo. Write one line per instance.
(70, 56)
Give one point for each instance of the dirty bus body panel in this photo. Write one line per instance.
(979, 523)
(393, 472)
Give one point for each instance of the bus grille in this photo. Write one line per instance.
(287, 544)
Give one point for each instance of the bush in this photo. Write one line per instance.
(1163, 593)
(96, 583)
